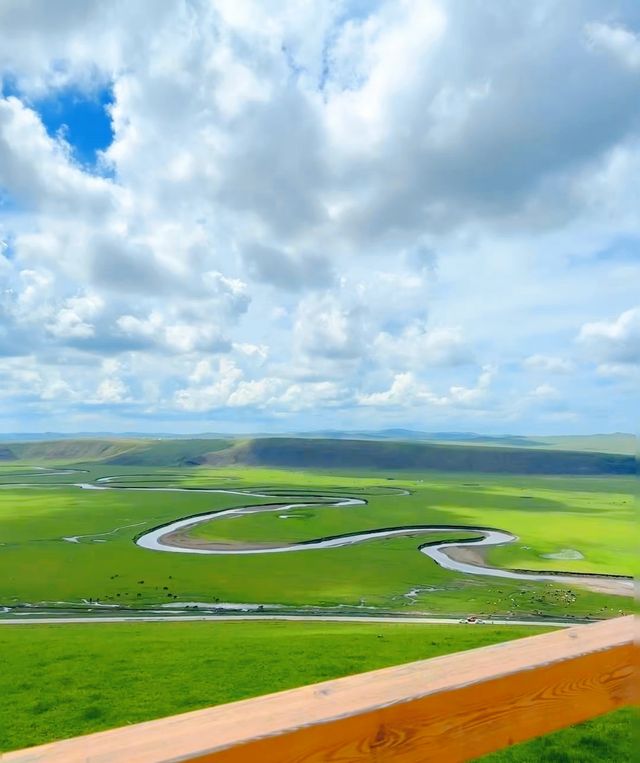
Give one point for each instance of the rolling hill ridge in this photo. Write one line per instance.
(321, 453)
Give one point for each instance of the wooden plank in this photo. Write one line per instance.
(451, 708)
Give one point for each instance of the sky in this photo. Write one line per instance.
(237, 215)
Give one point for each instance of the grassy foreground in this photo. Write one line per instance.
(62, 681)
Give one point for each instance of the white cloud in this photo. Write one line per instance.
(408, 391)
(545, 392)
(24, 378)
(73, 320)
(418, 347)
(615, 341)
(259, 352)
(617, 40)
(548, 364)
(111, 390)
(258, 392)
(314, 395)
(324, 328)
(37, 170)
(156, 330)
(319, 207)
(201, 397)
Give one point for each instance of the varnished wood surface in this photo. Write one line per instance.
(449, 708)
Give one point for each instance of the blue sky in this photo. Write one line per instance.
(348, 215)
(79, 118)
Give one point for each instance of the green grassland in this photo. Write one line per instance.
(59, 681)
(551, 513)
(62, 681)
(593, 515)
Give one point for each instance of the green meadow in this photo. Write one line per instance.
(60, 681)
(591, 517)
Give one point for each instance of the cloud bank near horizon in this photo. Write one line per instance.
(342, 214)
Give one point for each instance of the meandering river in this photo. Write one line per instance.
(454, 555)
(174, 538)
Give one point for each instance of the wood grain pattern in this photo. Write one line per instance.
(452, 708)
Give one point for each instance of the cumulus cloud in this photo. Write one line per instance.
(466, 131)
(329, 206)
(419, 347)
(111, 390)
(73, 320)
(324, 328)
(615, 341)
(408, 391)
(158, 331)
(210, 388)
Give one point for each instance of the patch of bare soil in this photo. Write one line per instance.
(467, 555)
(612, 586)
(181, 539)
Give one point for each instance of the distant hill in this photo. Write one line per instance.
(367, 454)
(15, 437)
(169, 453)
(63, 450)
(121, 452)
(6, 454)
(323, 453)
(617, 442)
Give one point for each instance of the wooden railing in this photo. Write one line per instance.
(451, 708)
